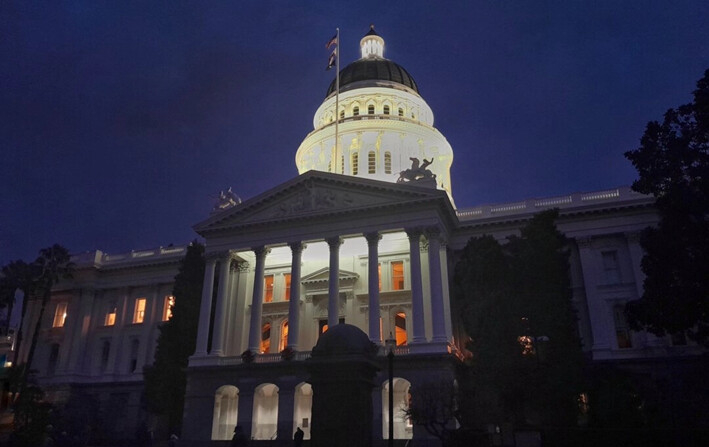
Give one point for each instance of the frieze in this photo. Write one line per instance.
(316, 199)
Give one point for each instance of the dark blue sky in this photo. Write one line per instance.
(121, 121)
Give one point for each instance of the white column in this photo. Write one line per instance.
(220, 311)
(434, 271)
(294, 305)
(602, 325)
(257, 300)
(417, 309)
(205, 309)
(333, 301)
(636, 258)
(373, 282)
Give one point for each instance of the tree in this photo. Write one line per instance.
(515, 300)
(433, 405)
(165, 380)
(673, 165)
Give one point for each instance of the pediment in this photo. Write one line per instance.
(323, 276)
(316, 194)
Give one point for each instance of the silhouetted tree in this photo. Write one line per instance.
(165, 380)
(433, 405)
(673, 165)
(515, 300)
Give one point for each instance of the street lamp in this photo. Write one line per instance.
(390, 344)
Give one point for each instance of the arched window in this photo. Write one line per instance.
(387, 162)
(355, 163)
(302, 410)
(226, 406)
(266, 338)
(342, 164)
(400, 328)
(265, 414)
(413, 116)
(402, 427)
(370, 109)
(355, 111)
(342, 114)
(284, 336)
(372, 162)
(386, 110)
(401, 111)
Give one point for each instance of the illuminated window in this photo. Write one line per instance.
(167, 307)
(286, 277)
(611, 267)
(370, 109)
(622, 331)
(355, 111)
(284, 336)
(266, 338)
(110, 317)
(400, 328)
(323, 325)
(372, 162)
(355, 163)
(268, 288)
(59, 315)
(401, 111)
(139, 312)
(397, 275)
(387, 162)
(386, 110)
(379, 272)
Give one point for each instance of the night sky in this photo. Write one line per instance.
(121, 121)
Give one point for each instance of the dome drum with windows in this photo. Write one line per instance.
(383, 123)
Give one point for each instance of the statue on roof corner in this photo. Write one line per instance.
(417, 172)
(226, 200)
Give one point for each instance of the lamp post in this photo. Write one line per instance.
(390, 344)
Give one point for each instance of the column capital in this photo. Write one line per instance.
(373, 238)
(584, 242)
(334, 242)
(414, 233)
(297, 246)
(261, 250)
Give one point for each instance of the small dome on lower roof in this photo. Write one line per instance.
(373, 69)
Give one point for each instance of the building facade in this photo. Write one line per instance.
(366, 235)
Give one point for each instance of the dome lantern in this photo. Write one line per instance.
(372, 45)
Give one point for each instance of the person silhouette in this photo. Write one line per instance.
(298, 437)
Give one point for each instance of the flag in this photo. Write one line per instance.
(332, 41)
(332, 60)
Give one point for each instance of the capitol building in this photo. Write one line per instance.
(367, 235)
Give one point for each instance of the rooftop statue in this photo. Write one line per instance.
(226, 200)
(417, 171)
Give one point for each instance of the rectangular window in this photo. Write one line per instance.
(286, 277)
(167, 307)
(397, 275)
(105, 351)
(387, 162)
(268, 288)
(355, 163)
(53, 359)
(110, 317)
(622, 331)
(379, 272)
(59, 315)
(372, 162)
(611, 267)
(133, 365)
(139, 311)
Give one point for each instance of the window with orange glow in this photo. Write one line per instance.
(59, 315)
(167, 307)
(286, 277)
(110, 318)
(397, 275)
(400, 328)
(268, 288)
(266, 338)
(139, 312)
(379, 272)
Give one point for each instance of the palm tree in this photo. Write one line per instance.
(52, 265)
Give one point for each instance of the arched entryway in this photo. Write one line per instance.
(402, 425)
(226, 405)
(265, 413)
(302, 408)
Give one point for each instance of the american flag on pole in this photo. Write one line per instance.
(332, 60)
(332, 41)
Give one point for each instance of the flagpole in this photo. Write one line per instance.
(337, 104)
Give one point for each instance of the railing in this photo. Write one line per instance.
(105, 259)
(562, 202)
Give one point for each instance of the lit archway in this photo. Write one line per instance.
(226, 405)
(400, 329)
(402, 425)
(266, 338)
(302, 408)
(283, 343)
(265, 413)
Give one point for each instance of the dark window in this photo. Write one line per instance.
(386, 110)
(370, 109)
